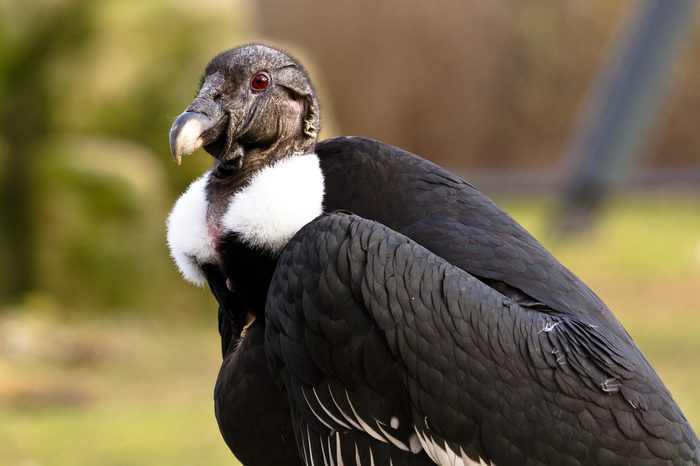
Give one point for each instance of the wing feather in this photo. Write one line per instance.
(367, 329)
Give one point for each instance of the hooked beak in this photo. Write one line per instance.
(192, 130)
(202, 122)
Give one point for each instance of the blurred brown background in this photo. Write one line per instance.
(108, 357)
(485, 84)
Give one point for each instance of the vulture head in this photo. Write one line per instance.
(255, 103)
(257, 114)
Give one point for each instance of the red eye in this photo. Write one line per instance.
(259, 81)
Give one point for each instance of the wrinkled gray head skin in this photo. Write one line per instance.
(239, 123)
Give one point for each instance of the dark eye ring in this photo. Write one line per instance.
(259, 81)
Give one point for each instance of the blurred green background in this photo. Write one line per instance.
(107, 357)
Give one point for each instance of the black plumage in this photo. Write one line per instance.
(420, 325)
(481, 373)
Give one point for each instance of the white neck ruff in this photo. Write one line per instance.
(190, 243)
(278, 201)
(265, 214)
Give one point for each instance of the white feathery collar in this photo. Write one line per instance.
(189, 240)
(278, 201)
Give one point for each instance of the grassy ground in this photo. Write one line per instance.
(132, 392)
(106, 393)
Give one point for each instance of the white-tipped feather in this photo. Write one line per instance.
(414, 443)
(328, 412)
(188, 235)
(393, 440)
(443, 455)
(278, 201)
(338, 450)
(320, 418)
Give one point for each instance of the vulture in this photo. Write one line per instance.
(375, 309)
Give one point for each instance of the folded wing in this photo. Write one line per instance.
(390, 355)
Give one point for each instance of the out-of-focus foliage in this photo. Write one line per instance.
(88, 89)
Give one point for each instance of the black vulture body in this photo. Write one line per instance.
(404, 318)
(546, 374)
